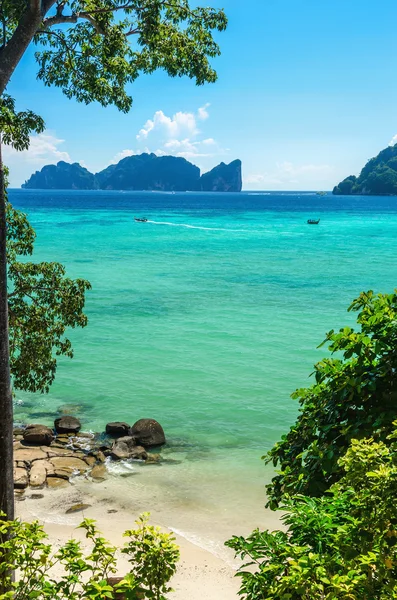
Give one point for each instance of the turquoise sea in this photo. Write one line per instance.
(206, 318)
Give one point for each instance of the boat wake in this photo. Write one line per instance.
(195, 226)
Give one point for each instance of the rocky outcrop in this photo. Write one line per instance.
(223, 178)
(62, 176)
(140, 172)
(148, 433)
(377, 178)
(117, 428)
(38, 434)
(67, 424)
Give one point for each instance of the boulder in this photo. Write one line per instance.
(38, 474)
(117, 428)
(21, 478)
(38, 434)
(122, 448)
(148, 432)
(67, 424)
(138, 453)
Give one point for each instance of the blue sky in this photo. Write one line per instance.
(307, 92)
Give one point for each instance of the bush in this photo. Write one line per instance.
(153, 557)
(342, 546)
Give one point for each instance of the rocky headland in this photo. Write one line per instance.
(377, 178)
(140, 172)
(50, 457)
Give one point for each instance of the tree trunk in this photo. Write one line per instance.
(6, 413)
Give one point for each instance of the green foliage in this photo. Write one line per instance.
(378, 177)
(16, 127)
(354, 396)
(153, 558)
(42, 304)
(92, 49)
(84, 572)
(341, 546)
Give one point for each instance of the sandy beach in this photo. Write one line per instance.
(201, 574)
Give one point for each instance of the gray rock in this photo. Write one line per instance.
(117, 428)
(38, 434)
(67, 424)
(148, 432)
(122, 448)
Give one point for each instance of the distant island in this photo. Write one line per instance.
(378, 177)
(139, 172)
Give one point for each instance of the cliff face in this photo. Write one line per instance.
(63, 176)
(378, 177)
(150, 172)
(140, 172)
(223, 178)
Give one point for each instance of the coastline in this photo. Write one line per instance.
(201, 573)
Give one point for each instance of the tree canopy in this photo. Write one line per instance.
(354, 396)
(92, 49)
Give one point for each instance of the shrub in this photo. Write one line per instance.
(24, 549)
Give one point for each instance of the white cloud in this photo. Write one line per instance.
(393, 140)
(180, 123)
(120, 155)
(287, 175)
(202, 112)
(43, 149)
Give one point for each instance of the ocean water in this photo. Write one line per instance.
(206, 318)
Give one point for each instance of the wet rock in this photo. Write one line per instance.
(21, 478)
(56, 482)
(38, 474)
(117, 428)
(38, 434)
(100, 456)
(29, 454)
(77, 508)
(99, 472)
(67, 424)
(90, 460)
(122, 447)
(153, 459)
(18, 431)
(36, 496)
(68, 465)
(138, 453)
(148, 432)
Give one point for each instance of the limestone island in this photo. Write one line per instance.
(377, 178)
(140, 172)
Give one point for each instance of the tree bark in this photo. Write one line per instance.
(6, 409)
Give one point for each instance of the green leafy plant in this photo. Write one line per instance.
(342, 546)
(153, 556)
(354, 396)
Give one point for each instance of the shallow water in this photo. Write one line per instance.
(206, 318)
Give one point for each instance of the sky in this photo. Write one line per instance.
(306, 94)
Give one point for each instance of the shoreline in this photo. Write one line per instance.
(200, 573)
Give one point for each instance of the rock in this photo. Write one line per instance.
(122, 447)
(148, 432)
(153, 459)
(100, 456)
(18, 430)
(222, 178)
(38, 434)
(117, 428)
(29, 454)
(138, 453)
(36, 496)
(38, 474)
(21, 478)
(67, 424)
(68, 465)
(77, 508)
(99, 472)
(55, 482)
(90, 460)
